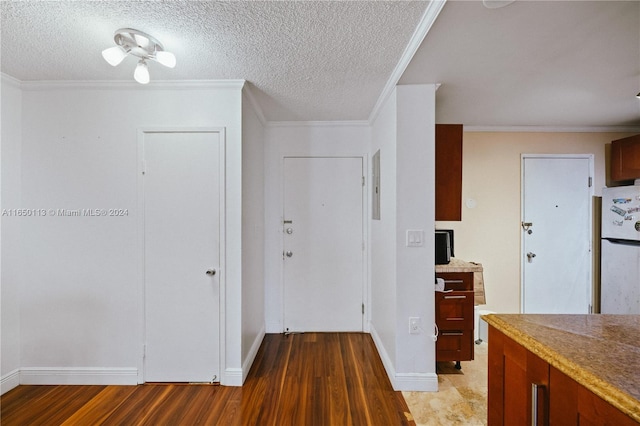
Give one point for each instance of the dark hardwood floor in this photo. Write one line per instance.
(301, 379)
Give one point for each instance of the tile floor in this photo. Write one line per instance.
(461, 398)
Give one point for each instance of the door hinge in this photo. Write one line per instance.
(144, 351)
(363, 309)
(362, 180)
(590, 181)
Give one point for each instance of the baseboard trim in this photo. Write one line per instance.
(232, 377)
(408, 382)
(384, 356)
(416, 382)
(78, 376)
(9, 381)
(251, 356)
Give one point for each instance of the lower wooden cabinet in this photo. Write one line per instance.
(520, 380)
(454, 318)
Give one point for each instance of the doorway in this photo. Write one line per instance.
(323, 241)
(182, 185)
(556, 233)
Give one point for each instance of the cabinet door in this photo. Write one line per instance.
(573, 404)
(625, 158)
(512, 372)
(454, 310)
(448, 172)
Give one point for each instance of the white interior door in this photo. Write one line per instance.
(556, 234)
(181, 247)
(323, 244)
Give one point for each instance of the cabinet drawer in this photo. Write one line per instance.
(454, 345)
(462, 281)
(454, 310)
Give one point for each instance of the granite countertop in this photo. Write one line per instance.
(459, 265)
(601, 352)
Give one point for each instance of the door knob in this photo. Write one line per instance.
(289, 253)
(211, 272)
(530, 257)
(289, 231)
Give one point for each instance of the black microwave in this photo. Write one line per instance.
(444, 246)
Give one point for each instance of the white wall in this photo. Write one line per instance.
(404, 131)
(304, 139)
(383, 235)
(80, 310)
(10, 267)
(253, 199)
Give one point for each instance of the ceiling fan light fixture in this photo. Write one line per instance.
(141, 74)
(114, 55)
(141, 45)
(167, 59)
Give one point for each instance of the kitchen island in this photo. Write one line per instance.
(564, 369)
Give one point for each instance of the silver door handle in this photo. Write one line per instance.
(289, 253)
(211, 272)
(530, 257)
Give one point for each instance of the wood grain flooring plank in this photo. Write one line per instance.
(304, 379)
(18, 397)
(55, 406)
(100, 407)
(139, 405)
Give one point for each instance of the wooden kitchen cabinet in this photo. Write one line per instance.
(454, 318)
(625, 158)
(448, 153)
(560, 400)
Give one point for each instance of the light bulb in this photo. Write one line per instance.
(114, 55)
(166, 58)
(141, 74)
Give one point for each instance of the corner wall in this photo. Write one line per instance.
(253, 202)
(404, 131)
(10, 239)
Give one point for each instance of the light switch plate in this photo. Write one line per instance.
(415, 238)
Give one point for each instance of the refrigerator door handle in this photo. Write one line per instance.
(623, 241)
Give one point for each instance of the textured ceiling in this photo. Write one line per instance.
(306, 60)
(562, 64)
(557, 64)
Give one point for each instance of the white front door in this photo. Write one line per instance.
(181, 187)
(323, 244)
(556, 234)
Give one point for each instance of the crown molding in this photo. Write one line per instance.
(426, 22)
(342, 123)
(158, 84)
(6, 78)
(254, 104)
(552, 129)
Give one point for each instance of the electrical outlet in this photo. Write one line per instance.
(414, 325)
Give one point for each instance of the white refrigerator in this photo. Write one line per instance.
(620, 250)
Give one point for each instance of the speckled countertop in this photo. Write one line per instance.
(601, 352)
(459, 265)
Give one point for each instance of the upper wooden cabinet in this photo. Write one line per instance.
(449, 172)
(625, 158)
